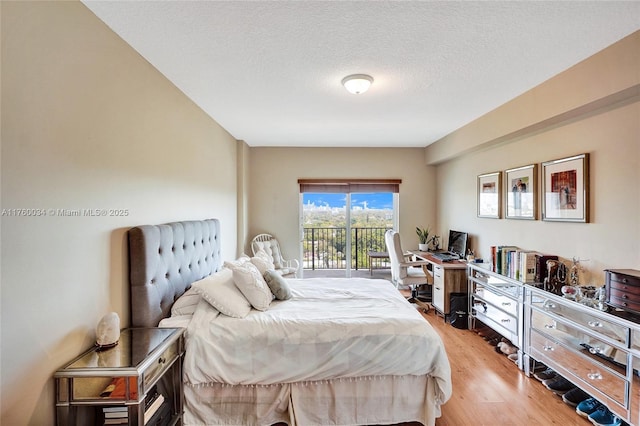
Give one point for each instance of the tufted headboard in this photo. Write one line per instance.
(163, 262)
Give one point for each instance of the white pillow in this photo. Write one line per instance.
(250, 282)
(186, 304)
(221, 293)
(239, 261)
(262, 264)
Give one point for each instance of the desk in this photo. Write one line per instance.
(448, 277)
(376, 255)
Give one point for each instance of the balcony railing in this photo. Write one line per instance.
(325, 248)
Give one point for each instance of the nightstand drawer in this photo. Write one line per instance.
(160, 364)
(587, 371)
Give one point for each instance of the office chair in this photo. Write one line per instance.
(406, 272)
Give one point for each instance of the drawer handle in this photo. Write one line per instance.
(596, 350)
(594, 376)
(505, 320)
(549, 305)
(548, 348)
(594, 324)
(506, 303)
(624, 296)
(550, 326)
(438, 288)
(162, 360)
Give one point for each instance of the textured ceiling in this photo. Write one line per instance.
(270, 72)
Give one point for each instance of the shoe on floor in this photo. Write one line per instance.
(603, 417)
(513, 357)
(587, 407)
(575, 397)
(559, 386)
(545, 374)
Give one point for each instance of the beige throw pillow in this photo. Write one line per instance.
(252, 285)
(221, 292)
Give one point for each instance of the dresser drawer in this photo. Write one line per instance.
(488, 312)
(574, 338)
(582, 319)
(503, 302)
(586, 370)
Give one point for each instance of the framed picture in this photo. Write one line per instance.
(520, 192)
(565, 189)
(489, 195)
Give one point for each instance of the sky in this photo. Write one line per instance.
(378, 200)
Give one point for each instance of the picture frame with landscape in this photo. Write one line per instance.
(565, 189)
(521, 192)
(489, 195)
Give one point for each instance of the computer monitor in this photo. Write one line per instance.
(457, 243)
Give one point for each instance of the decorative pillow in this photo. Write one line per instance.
(262, 262)
(239, 261)
(221, 293)
(186, 304)
(278, 285)
(250, 282)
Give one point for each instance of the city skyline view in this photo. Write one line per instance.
(371, 201)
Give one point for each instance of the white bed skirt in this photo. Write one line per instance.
(359, 401)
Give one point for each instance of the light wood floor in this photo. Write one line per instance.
(488, 388)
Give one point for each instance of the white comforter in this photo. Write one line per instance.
(330, 328)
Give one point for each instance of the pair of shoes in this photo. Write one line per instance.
(575, 396)
(559, 385)
(507, 348)
(545, 374)
(588, 406)
(513, 357)
(603, 417)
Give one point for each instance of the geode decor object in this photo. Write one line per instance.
(108, 331)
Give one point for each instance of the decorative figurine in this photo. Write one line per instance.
(436, 242)
(574, 271)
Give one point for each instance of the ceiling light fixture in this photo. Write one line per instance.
(357, 83)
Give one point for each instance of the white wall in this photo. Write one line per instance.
(87, 124)
(592, 108)
(274, 194)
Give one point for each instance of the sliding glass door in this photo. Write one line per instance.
(338, 229)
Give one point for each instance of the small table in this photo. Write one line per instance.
(122, 382)
(376, 255)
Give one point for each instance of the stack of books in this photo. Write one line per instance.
(152, 404)
(116, 415)
(155, 411)
(527, 266)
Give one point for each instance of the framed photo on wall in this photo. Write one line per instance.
(489, 195)
(520, 186)
(565, 189)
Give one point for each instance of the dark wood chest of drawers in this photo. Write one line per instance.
(623, 289)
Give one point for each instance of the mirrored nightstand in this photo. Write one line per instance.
(136, 382)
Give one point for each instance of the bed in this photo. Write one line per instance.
(338, 352)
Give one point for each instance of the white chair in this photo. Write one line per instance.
(268, 244)
(406, 272)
